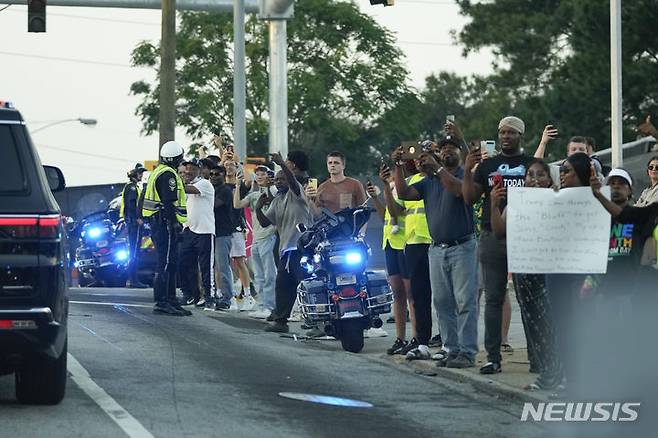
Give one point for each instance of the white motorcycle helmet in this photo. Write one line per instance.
(171, 153)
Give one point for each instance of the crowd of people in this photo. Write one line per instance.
(444, 241)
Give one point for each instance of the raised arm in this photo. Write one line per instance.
(290, 177)
(405, 191)
(262, 219)
(379, 206)
(471, 191)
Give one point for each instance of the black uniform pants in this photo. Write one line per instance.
(418, 267)
(289, 274)
(133, 242)
(165, 241)
(197, 253)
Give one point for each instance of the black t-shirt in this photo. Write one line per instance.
(239, 221)
(224, 214)
(511, 169)
(627, 236)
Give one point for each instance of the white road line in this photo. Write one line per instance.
(98, 303)
(119, 415)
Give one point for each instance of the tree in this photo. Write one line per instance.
(553, 62)
(344, 73)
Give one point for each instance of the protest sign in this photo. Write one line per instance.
(557, 232)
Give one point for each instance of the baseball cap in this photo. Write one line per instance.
(621, 173)
(139, 167)
(449, 139)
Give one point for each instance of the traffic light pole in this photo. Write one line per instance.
(274, 11)
(168, 73)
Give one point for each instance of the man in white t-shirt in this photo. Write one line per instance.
(197, 247)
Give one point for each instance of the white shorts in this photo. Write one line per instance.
(238, 245)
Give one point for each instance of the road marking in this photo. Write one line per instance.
(98, 303)
(119, 415)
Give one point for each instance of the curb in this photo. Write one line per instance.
(479, 382)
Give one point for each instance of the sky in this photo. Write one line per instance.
(81, 68)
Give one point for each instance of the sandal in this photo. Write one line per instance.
(506, 348)
(441, 355)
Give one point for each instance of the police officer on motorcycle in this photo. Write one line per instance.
(132, 217)
(164, 207)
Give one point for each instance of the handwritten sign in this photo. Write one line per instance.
(557, 232)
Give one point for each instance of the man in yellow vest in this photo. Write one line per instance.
(133, 219)
(164, 207)
(418, 240)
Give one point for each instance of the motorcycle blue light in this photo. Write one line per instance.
(353, 258)
(94, 232)
(122, 254)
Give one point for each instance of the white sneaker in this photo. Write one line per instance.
(375, 333)
(260, 314)
(295, 316)
(235, 307)
(246, 304)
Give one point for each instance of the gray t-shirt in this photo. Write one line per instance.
(448, 216)
(260, 233)
(285, 212)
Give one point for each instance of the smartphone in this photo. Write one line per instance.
(313, 183)
(554, 126)
(489, 146)
(497, 179)
(411, 150)
(450, 118)
(474, 145)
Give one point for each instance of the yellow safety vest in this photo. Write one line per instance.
(397, 240)
(123, 197)
(416, 229)
(152, 203)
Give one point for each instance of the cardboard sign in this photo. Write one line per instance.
(553, 232)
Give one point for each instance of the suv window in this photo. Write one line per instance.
(13, 177)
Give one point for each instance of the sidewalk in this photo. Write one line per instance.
(508, 384)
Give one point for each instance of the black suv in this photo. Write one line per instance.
(33, 268)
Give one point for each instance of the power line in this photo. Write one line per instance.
(88, 154)
(426, 43)
(55, 58)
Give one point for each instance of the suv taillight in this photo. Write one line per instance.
(30, 227)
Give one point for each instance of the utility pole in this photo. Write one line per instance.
(239, 82)
(616, 139)
(168, 73)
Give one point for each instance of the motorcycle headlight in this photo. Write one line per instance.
(349, 258)
(94, 232)
(122, 255)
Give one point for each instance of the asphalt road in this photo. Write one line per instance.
(219, 374)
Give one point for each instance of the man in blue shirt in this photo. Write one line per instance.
(453, 253)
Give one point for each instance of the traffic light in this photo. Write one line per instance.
(36, 15)
(382, 2)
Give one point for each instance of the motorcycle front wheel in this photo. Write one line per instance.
(352, 335)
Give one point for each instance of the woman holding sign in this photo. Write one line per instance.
(531, 291)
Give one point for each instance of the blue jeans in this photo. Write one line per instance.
(454, 277)
(264, 265)
(223, 263)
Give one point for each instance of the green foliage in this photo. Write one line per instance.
(553, 63)
(344, 73)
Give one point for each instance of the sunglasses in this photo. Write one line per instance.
(216, 174)
(652, 167)
(565, 170)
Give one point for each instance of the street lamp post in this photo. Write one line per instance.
(82, 120)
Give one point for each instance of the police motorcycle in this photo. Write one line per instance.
(339, 293)
(102, 255)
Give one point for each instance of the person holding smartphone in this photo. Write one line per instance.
(511, 165)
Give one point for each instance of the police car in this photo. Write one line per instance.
(33, 275)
